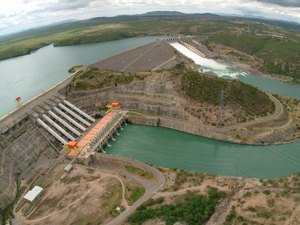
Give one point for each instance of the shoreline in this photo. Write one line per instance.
(172, 123)
(248, 68)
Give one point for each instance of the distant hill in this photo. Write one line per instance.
(70, 24)
(163, 13)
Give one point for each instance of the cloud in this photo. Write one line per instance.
(70, 4)
(285, 3)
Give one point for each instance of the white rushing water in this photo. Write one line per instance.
(209, 65)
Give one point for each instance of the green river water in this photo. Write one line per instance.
(175, 149)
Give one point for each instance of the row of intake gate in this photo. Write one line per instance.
(65, 121)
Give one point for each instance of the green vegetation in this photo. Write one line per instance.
(6, 214)
(59, 36)
(74, 68)
(234, 218)
(107, 36)
(248, 43)
(193, 209)
(263, 212)
(183, 176)
(139, 172)
(278, 55)
(231, 216)
(151, 202)
(114, 200)
(208, 88)
(134, 191)
(136, 194)
(93, 78)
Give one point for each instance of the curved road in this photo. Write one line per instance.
(151, 187)
(279, 110)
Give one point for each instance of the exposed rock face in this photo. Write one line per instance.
(19, 147)
(153, 95)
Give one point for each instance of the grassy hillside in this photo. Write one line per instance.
(208, 89)
(279, 55)
(92, 78)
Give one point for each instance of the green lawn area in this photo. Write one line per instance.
(139, 172)
(136, 193)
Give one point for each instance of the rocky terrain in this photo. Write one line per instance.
(247, 201)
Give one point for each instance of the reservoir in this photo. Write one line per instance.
(30, 75)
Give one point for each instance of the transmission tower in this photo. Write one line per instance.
(221, 107)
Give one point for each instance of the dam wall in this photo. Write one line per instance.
(180, 125)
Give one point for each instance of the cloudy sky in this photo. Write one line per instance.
(16, 15)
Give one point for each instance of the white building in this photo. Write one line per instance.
(33, 193)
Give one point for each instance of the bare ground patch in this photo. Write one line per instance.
(85, 196)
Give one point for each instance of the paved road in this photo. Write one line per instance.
(151, 186)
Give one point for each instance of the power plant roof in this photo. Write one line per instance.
(33, 193)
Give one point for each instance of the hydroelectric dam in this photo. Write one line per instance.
(55, 118)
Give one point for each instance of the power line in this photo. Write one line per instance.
(221, 107)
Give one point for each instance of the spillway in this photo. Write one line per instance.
(209, 65)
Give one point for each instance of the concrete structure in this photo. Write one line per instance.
(68, 168)
(51, 131)
(68, 118)
(98, 136)
(33, 194)
(79, 111)
(63, 126)
(153, 56)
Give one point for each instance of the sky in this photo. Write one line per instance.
(17, 15)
